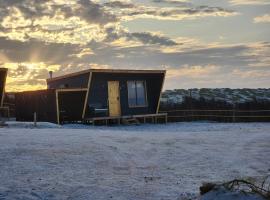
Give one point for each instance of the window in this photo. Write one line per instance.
(136, 93)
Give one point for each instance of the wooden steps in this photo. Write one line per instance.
(130, 121)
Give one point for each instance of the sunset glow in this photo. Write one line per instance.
(201, 43)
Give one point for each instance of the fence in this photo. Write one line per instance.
(232, 115)
(11, 109)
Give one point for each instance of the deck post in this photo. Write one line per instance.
(87, 94)
(35, 119)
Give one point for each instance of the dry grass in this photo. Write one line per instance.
(247, 186)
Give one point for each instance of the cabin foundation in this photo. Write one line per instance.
(128, 120)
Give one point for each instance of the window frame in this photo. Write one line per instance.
(145, 93)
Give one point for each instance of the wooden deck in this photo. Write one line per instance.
(145, 118)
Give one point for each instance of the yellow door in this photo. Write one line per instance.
(114, 98)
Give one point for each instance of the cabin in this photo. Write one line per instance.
(98, 96)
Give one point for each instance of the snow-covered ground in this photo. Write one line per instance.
(137, 162)
(227, 95)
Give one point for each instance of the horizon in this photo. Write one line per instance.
(201, 44)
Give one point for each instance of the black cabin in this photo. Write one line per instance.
(94, 94)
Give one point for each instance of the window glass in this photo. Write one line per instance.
(141, 100)
(136, 93)
(132, 93)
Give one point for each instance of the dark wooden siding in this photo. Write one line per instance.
(43, 102)
(3, 74)
(98, 94)
(71, 105)
(79, 81)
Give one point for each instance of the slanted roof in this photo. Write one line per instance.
(105, 71)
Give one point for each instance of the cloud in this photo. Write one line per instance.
(121, 37)
(258, 55)
(195, 72)
(171, 1)
(119, 4)
(67, 36)
(85, 9)
(194, 65)
(251, 74)
(81, 21)
(170, 13)
(36, 51)
(91, 12)
(76, 22)
(189, 64)
(174, 2)
(262, 19)
(250, 2)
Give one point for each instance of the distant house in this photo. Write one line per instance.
(95, 95)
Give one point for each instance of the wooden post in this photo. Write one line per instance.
(8, 114)
(57, 107)
(160, 94)
(3, 91)
(190, 101)
(233, 111)
(234, 114)
(35, 119)
(87, 94)
(1, 118)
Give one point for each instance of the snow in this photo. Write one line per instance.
(17, 124)
(227, 95)
(128, 162)
(224, 194)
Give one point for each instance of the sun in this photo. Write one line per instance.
(24, 76)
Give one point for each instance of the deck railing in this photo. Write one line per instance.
(230, 115)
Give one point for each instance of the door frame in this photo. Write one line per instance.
(119, 100)
(57, 91)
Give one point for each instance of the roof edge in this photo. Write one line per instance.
(104, 71)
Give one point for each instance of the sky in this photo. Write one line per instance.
(201, 43)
